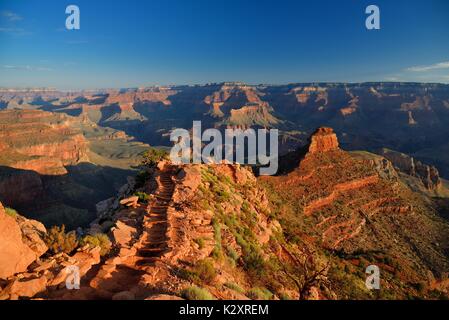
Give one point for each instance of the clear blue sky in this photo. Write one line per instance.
(136, 42)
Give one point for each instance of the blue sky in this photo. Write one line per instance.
(138, 43)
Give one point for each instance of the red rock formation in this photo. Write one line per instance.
(40, 141)
(340, 191)
(428, 175)
(323, 140)
(20, 243)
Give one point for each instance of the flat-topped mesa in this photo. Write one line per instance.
(322, 140)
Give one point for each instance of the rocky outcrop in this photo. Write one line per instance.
(341, 190)
(428, 175)
(40, 141)
(354, 203)
(241, 106)
(337, 189)
(45, 276)
(20, 243)
(323, 140)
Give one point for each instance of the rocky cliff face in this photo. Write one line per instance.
(323, 140)
(55, 167)
(40, 141)
(20, 242)
(353, 205)
(409, 117)
(239, 105)
(26, 269)
(428, 175)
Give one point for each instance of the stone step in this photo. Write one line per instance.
(158, 210)
(156, 238)
(147, 261)
(155, 245)
(167, 195)
(157, 214)
(152, 223)
(150, 253)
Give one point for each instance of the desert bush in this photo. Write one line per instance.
(196, 293)
(205, 270)
(98, 240)
(254, 262)
(11, 212)
(57, 240)
(221, 195)
(284, 296)
(259, 294)
(217, 252)
(232, 253)
(199, 242)
(143, 197)
(152, 157)
(234, 286)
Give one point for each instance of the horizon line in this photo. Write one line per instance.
(51, 88)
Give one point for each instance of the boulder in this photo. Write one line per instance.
(122, 234)
(20, 243)
(130, 202)
(82, 259)
(27, 288)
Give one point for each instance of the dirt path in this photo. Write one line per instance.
(154, 238)
(134, 273)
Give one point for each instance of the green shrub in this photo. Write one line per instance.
(232, 253)
(196, 293)
(188, 275)
(254, 262)
(143, 197)
(234, 286)
(259, 294)
(11, 212)
(284, 296)
(217, 252)
(205, 270)
(57, 240)
(221, 195)
(152, 157)
(199, 242)
(98, 240)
